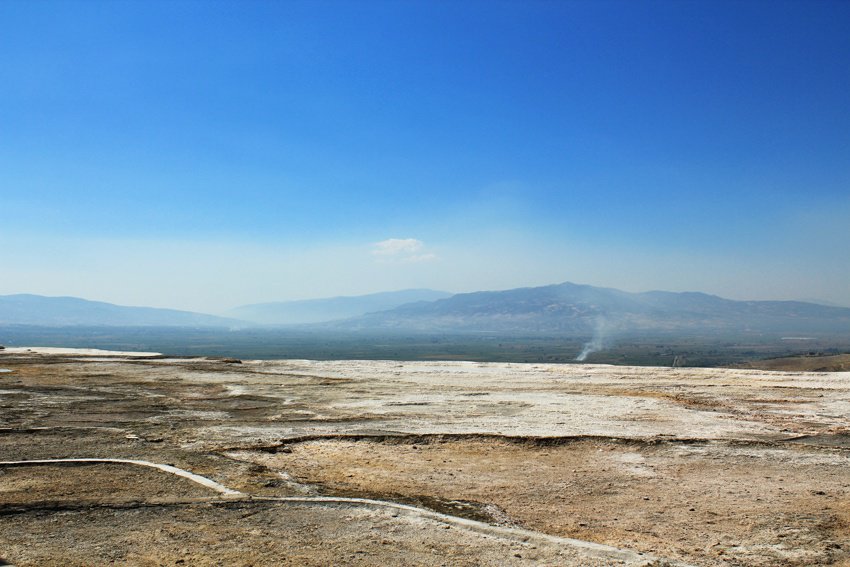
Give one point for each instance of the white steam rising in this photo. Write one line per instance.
(597, 343)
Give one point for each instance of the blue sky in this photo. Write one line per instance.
(206, 154)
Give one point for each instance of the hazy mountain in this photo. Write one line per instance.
(25, 309)
(820, 301)
(329, 309)
(581, 309)
(563, 309)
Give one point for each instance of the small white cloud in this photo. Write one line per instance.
(402, 250)
(397, 246)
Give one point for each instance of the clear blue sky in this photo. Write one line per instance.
(206, 154)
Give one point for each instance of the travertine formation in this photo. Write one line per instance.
(397, 463)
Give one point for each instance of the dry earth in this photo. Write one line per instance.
(810, 363)
(442, 463)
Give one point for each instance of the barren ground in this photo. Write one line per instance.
(811, 363)
(443, 463)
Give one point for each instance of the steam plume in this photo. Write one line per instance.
(597, 342)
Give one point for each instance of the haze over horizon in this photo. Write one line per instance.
(201, 156)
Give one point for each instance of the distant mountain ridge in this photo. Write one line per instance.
(562, 309)
(331, 308)
(28, 309)
(569, 308)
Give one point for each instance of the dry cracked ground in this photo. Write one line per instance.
(397, 463)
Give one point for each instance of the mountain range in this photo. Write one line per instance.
(332, 308)
(571, 309)
(27, 309)
(563, 309)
